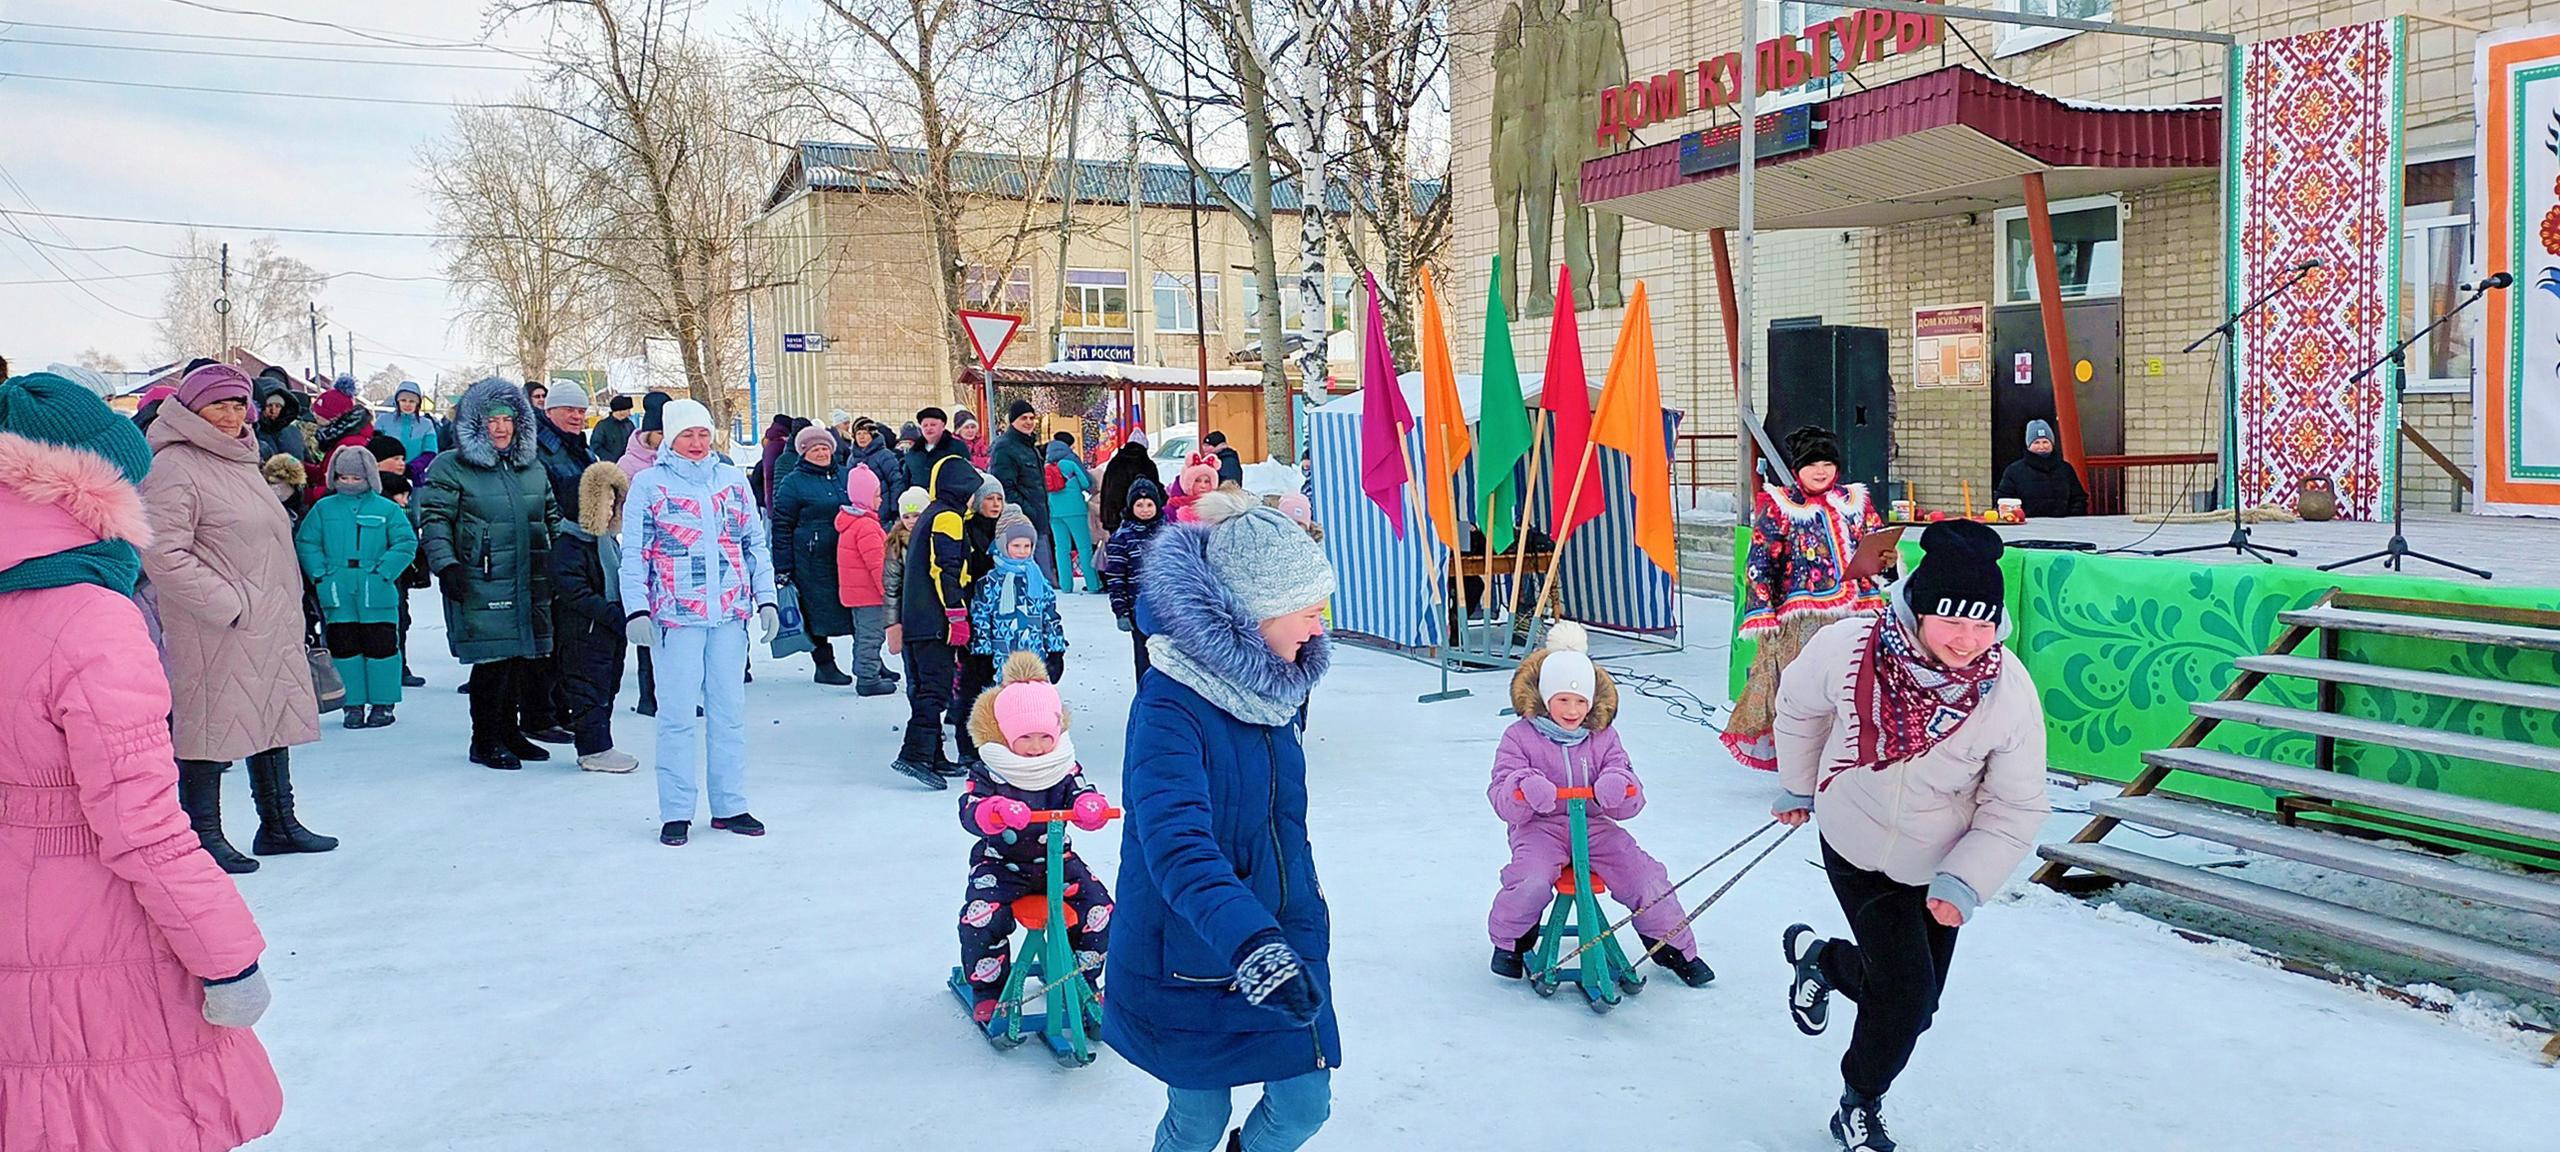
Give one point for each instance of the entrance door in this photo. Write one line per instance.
(2096, 331)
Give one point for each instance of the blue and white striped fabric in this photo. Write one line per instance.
(1383, 585)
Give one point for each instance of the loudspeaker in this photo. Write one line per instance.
(1837, 376)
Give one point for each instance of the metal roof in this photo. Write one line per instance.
(862, 168)
(1944, 142)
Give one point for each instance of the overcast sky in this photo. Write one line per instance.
(241, 160)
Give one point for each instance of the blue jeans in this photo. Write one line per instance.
(1290, 1112)
(704, 665)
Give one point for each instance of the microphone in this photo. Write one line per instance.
(2308, 265)
(2498, 280)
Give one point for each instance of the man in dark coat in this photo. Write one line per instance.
(485, 522)
(805, 500)
(934, 442)
(1019, 463)
(1131, 462)
(2043, 483)
(561, 442)
(612, 435)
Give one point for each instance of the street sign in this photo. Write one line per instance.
(989, 333)
(804, 342)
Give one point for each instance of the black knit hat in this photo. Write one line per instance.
(1813, 443)
(653, 406)
(1959, 572)
(1017, 410)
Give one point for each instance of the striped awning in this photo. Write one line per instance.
(1944, 142)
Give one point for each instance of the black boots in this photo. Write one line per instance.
(1691, 970)
(824, 657)
(200, 793)
(1508, 963)
(279, 833)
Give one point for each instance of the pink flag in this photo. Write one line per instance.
(1384, 420)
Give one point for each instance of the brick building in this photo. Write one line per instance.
(851, 257)
(2142, 260)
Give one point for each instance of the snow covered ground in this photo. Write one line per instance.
(511, 961)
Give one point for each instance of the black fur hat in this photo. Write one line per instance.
(1813, 443)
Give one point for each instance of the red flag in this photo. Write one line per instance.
(1567, 395)
(1384, 420)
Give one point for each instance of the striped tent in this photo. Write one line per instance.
(1396, 591)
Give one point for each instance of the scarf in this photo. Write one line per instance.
(1030, 773)
(111, 564)
(1021, 579)
(1272, 708)
(1906, 701)
(1568, 737)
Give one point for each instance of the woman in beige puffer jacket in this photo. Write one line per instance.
(230, 592)
(1916, 741)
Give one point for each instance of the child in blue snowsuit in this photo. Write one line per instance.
(1028, 764)
(1014, 607)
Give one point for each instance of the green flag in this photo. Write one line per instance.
(1502, 436)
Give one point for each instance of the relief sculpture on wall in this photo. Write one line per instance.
(1548, 66)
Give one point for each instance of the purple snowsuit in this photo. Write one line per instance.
(1542, 843)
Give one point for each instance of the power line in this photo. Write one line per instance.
(299, 59)
(328, 96)
(394, 234)
(480, 47)
(392, 38)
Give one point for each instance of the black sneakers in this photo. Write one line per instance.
(675, 832)
(921, 772)
(551, 734)
(1506, 964)
(743, 824)
(496, 756)
(380, 718)
(1859, 1126)
(1809, 993)
(1691, 971)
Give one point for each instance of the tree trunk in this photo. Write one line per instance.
(1255, 93)
(1314, 197)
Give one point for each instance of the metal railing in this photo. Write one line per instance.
(1703, 461)
(2155, 482)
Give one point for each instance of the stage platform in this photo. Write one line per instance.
(2518, 552)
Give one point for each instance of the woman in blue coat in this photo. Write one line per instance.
(1218, 952)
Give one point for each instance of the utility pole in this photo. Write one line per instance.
(1199, 323)
(315, 338)
(1137, 197)
(333, 355)
(222, 305)
(351, 352)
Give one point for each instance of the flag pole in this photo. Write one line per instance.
(1452, 609)
(1520, 551)
(1581, 472)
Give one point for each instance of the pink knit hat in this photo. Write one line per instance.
(209, 385)
(1028, 708)
(1294, 506)
(862, 489)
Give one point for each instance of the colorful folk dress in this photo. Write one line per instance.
(1795, 580)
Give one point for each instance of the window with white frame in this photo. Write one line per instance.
(1177, 310)
(2088, 250)
(1251, 298)
(1098, 299)
(2435, 262)
(980, 291)
(2016, 38)
(1794, 16)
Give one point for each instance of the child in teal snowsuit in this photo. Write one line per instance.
(354, 544)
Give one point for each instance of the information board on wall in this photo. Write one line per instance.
(1950, 346)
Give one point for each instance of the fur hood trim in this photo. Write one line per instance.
(282, 468)
(1524, 683)
(471, 425)
(1189, 609)
(601, 489)
(80, 483)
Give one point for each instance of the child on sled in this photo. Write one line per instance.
(1029, 764)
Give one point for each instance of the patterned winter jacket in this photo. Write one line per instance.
(1800, 551)
(1032, 625)
(1027, 849)
(694, 551)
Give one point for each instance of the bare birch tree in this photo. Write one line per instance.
(515, 191)
(270, 298)
(1388, 67)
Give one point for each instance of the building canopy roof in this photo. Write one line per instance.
(1944, 142)
(843, 167)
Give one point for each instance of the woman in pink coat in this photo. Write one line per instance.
(129, 972)
(222, 561)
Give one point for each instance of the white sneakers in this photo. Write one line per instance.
(609, 760)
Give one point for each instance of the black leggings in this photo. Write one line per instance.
(1894, 971)
(363, 641)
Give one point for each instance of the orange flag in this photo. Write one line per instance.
(1630, 420)
(1445, 442)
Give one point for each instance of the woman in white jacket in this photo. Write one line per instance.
(1917, 743)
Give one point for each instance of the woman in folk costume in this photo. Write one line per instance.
(1797, 578)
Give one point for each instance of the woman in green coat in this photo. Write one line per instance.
(354, 544)
(485, 522)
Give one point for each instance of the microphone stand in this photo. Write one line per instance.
(2239, 540)
(2398, 549)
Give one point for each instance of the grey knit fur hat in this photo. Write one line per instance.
(989, 485)
(354, 460)
(1271, 565)
(1015, 524)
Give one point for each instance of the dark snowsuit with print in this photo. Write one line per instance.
(942, 681)
(1010, 865)
(1124, 556)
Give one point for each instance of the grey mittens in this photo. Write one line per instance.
(237, 1002)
